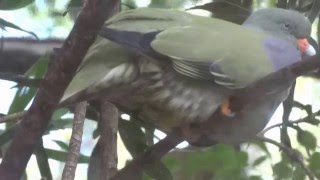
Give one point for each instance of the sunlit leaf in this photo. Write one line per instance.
(4, 23)
(61, 156)
(25, 94)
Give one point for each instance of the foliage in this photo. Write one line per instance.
(218, 162)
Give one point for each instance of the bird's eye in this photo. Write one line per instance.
(286, 26)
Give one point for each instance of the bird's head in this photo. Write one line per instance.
(286, 24)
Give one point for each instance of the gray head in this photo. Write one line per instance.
(280, 22)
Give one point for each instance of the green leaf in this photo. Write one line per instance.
(133, 137)
(172, 162)
(314, 163)
(221, 159)
(95, 133)
(59, 113)
(22, 98)
(259, 160)
(62, 144)
(61, 156)
(282, 170)
(255, 178)
(75, 3)
(60, 124)
(25, 94)
(307, 139)
(262, 146)
(14, 4)
(6, 136)
(4, 23)
(42, 161)
(242, 158)
(298, 173)
(39, 68)
(159, 171)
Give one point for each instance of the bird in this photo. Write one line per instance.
(175, 69)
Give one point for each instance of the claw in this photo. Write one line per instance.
(225, 109)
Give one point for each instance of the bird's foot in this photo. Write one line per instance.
(225, 109)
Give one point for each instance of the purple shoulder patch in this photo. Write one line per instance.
(281, 52)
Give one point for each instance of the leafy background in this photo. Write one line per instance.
(47, 20)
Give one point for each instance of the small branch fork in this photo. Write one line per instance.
(293, 154)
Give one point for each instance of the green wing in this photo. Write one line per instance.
(104, 55)
(230, 56)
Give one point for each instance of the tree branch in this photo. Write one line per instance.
(108, 127)
(12, 117)
(52, 87)
(152, 155)
(291, 123)
(293, 154)
(75, 142)
(287, 108)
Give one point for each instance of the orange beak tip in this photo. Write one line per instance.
(305, 47)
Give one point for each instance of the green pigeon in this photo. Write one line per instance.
(175, 69)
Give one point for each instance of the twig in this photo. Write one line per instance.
(75, 142)
(287, 108)
(108, 126)
(153, 154)
(293, 154)
(290, 123)
(12, 117)
(20, 79)
(56, 80)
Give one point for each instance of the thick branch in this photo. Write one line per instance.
(153, 154)
(52, 87)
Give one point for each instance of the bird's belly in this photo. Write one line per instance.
(170, 99)
(167, 100)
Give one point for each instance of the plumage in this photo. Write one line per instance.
(179, 68)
